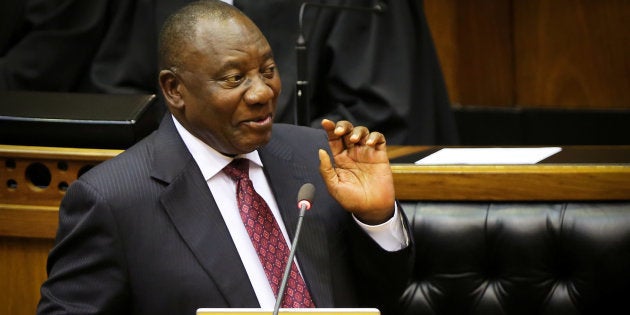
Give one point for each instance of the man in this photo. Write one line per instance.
(157, 230)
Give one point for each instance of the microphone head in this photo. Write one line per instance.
(305, 195)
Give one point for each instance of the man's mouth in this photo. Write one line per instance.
(259, 122)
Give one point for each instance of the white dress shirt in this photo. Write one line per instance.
(389, 235)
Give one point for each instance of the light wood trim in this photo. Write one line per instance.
(512, 183)
(57, 153)
(28, 221)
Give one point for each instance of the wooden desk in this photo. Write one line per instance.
(36, 179)
(579, 173)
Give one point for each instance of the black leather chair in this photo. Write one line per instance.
(519, 258)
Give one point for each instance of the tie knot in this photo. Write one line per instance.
(238, 169)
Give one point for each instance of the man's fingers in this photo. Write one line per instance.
(358, 134)
(342, 127)
(328, 125)
(342, 135)
(376, 139)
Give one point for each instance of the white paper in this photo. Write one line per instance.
(488, 156)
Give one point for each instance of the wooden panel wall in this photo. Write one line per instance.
(22, 271)
(534, 53)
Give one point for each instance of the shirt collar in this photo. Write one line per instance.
(209, 160)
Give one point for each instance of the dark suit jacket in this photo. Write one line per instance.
(142, 234)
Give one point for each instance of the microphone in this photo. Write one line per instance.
(302, 115)
(305, 197)
(304, 201)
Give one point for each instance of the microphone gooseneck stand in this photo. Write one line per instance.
(305, 198)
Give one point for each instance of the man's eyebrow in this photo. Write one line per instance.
(234, 64)
(229, 65)
(268, 55)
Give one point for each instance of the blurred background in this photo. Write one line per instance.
(535, 71)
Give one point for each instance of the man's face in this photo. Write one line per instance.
(229, 86)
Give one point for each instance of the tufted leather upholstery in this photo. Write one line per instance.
(519, 258)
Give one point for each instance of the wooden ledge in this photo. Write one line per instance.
(512, 183)
(57, 153)
(27, 210)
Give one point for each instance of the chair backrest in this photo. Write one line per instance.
(519, 258)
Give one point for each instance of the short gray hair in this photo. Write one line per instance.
(179, 28)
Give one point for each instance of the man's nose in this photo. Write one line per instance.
(259, 92)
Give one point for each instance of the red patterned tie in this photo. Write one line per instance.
(267, 238)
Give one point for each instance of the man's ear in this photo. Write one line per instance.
(171, 87)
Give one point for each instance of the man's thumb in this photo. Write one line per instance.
(325, 167)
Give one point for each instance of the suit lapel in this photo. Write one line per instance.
(192, 209)
(287, 174)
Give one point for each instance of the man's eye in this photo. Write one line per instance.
(234, 79)
(269, 72)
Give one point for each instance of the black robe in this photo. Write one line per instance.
(377, 70)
